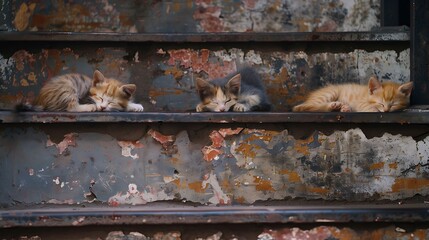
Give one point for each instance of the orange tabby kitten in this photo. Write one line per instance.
(67, 92)
(376, 97)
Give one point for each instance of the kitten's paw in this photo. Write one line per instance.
(200, 108)
(345, 108)
(135, 107)
(334, 106)
(86, 108)
(239, 107)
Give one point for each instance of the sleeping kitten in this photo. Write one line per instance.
(376, 97)
(67, 92)
(241, 91)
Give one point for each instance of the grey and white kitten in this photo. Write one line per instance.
(241, 91)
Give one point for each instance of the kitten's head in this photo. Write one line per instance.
(110, 94)
(389, 96)
(217, 98)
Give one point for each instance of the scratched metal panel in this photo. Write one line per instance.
(165, 74)
(206, 165)
(192, 16)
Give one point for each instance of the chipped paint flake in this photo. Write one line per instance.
(69, 140)
(128, 146)
(165, 140)
(219, 197)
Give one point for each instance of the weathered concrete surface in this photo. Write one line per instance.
(322, 232)
(165, 75)
(244, 166)
(191, 16)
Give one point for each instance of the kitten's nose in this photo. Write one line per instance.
(222, 109)
(102, 108)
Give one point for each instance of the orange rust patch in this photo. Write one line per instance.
(247, 150)
(409, 184)
(197, 186)
(293, 176)
(210, 153)
(301, 146)
(240, 199)
(176, 182)
(229, 132)
(157, 93)
(177, 73)
(375, 166)
(393, 165)
(318, 190)
(262, 185)
(216, 138)
(174, 160)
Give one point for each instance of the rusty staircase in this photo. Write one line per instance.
(171, 173)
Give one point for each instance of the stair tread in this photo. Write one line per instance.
(410, 116)
(382, 34)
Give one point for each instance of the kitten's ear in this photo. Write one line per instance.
(234, 84)
(374, 85)
(204, 88)
(98, 77)
(128, 89)
(202, 84)
(406, 88)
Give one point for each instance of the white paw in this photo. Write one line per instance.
(92, 108)
(135, 107)
(200, 108)
(239, 107)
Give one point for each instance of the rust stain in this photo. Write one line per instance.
(247, 150)
(301, 146)
(174, 160)
(318, 190)
(240, 200)
(154, 93)
(175, 72)
(393, 166)
(211, 153)
(176, 182)
(217, 139)
(229, 132)
(22, 16)
(409, 184)
(199, 61)
(165, 140)
(197, 186)
(376, 166)
(293, 176)
(262, 185)
(209, 17)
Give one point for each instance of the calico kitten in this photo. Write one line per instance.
(241, 91)
(376, 97)
(67, 92)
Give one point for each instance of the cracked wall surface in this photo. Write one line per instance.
(191, 16)
(251, 165)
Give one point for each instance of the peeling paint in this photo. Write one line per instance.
(326, 232)
(167, 142)
(219, 197)
(128, 146)
(287, 16)
(69, 140)
(250, 165)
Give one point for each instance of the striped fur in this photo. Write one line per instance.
(67, 92)
(376, 97)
